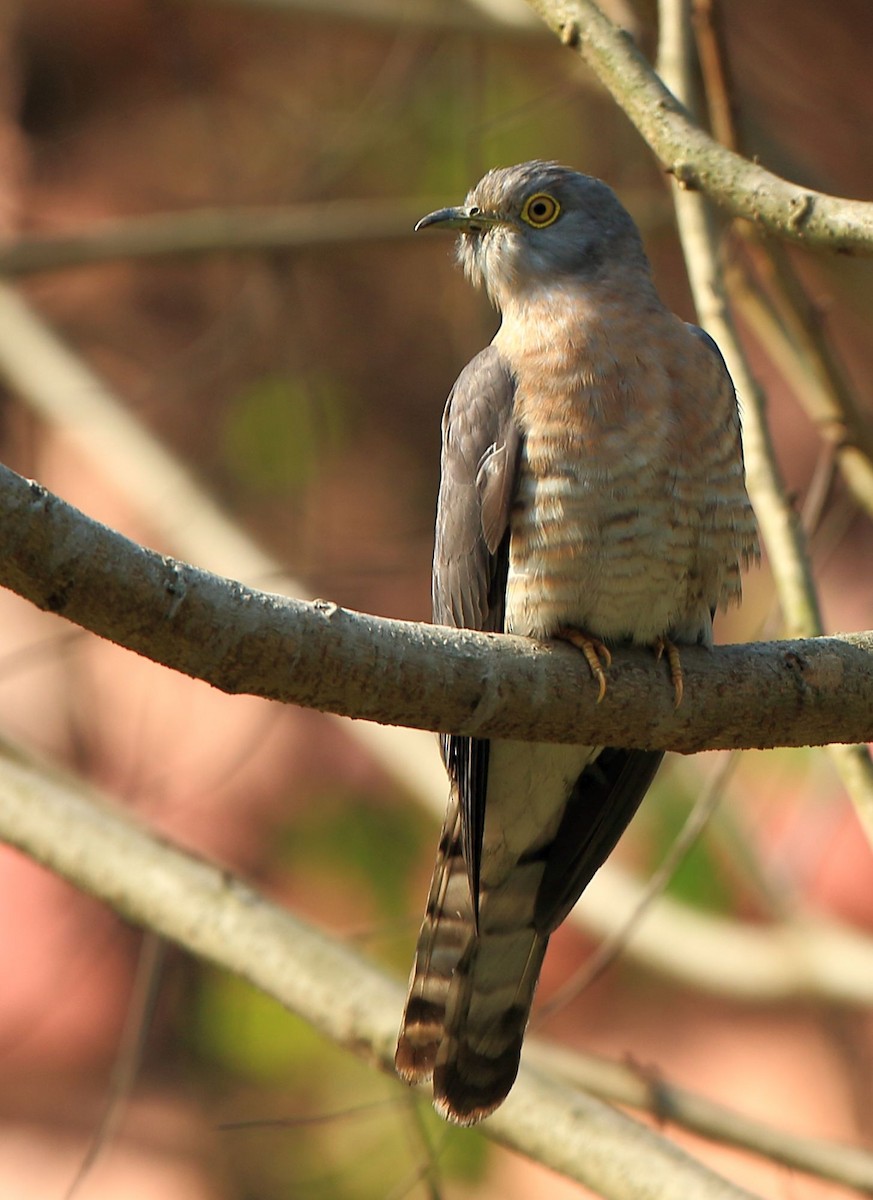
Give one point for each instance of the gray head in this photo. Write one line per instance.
(527, 227)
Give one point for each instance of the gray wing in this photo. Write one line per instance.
(478, 471)
(479, 467)
(748, 549)
(712, 345)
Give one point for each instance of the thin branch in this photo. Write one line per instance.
(808, 958)
(395, 672)
(63, 825)
(780, 526)
(507, 17)
(202, 231)
(137, 1024)
(779, 309)
(621, 1084)
(57, 384)
(219, 918)
(198, 232)
(826, 399)
(694, 159)
(614, 944)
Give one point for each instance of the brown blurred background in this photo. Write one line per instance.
(304, 390)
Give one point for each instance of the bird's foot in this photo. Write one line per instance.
(595, 652)
(664, 646)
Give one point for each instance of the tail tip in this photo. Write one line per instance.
(461, 1112)
(467, 1091)
(414, 1058)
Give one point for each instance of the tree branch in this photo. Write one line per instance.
(781, 530)
(797, 346)
(219, 918)
(727, 957)
(669, 1103)
(696, 161)
(510, 19)
(210, 230)
(65, 826)
(321, 656)
(42, 369)
(809, 957)
(58, 385)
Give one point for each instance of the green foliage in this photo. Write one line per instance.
(252, 1035)
(278, 431)
(345, 1132)
(461, 1153)
(698, 879)
(361, 841)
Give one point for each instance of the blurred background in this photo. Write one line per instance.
(303, 388)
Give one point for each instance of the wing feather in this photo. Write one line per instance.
(481, 445)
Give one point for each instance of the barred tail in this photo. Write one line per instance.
(447, 930)
(470, 992)
(486, 1017)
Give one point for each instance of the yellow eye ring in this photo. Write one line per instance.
(540, 210)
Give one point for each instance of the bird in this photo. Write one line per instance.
(592, 488)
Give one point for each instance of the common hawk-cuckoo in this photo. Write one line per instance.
(592, 488)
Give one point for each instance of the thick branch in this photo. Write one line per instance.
(219, 918)
(697, 161)
(104, 852)
(317, 655)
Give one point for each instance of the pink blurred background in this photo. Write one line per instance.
(305, 390)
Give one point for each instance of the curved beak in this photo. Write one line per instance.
(466, 217)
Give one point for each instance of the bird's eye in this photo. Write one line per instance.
(540, 210)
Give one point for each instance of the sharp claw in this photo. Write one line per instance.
(600, 676)
(595, 653)
(677, 675)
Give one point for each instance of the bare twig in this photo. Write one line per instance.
(612, 946)
(697, 162)
(198, 232)
(779, 525)
(137, 1022)
(779, 309)
(621, 1084)
(59, 822)
(809, 957)
(216, 230)
(507, 17)
(809, 366)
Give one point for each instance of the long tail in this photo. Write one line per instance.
(472, 985)
(471, 991)
(446, 931)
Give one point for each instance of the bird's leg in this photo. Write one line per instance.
(595, 652)
(663, 646)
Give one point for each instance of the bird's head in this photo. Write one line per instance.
(531, 226)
